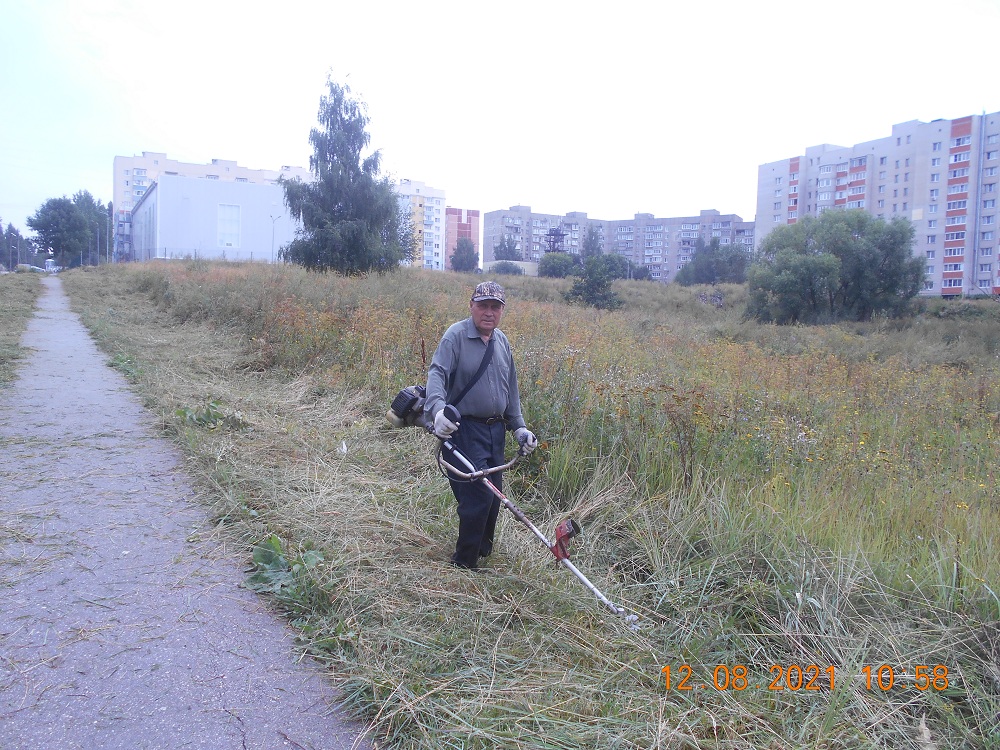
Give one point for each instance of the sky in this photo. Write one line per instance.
(612, 109)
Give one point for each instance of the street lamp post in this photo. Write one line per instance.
(274, 220)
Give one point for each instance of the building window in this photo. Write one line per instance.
(951, 252)
(777, 180)
(986, 251)
(987, 236)
(825, 169)
(933, 208)
(936, 146)
(931, 254)
(985, 268)
(934, 194)
(936, 177)
(990, 172)
(936, 161)
(962, 187)
(959, 158)
(952, 221)
(928, 285)
(931, 239)
(932, 224)
(954, 236)
(987, 219)
(992, 138)
(777, 205)
(990, 203)
(963, 140)
(929, 270)
(952, 267)
(229, 225)
(952, 283)
(989, 187)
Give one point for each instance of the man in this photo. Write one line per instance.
(489, 407)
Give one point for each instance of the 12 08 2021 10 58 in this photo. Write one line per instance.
(796, 677)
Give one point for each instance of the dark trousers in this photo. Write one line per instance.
(478, 507)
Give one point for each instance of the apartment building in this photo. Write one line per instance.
(460, 223)
(134, 175)
(940, 175)
(664, 245)
(426, 207)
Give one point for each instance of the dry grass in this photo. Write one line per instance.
(714, 466)
(18, 292)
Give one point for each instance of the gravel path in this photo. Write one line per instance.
(122, 625)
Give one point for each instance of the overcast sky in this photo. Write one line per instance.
(613, 108)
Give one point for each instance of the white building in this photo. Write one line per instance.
(134, 175)
(190, 217)
(426, 207)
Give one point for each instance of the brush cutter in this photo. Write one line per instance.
(407, 410)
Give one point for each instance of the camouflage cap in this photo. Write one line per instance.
(489, 290)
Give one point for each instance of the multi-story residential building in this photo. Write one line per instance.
(134, 175)
(664, 245)
(535, 234)
(460, 223)
(941, 175)
(427, 211)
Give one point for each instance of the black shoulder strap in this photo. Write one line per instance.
(479, 373)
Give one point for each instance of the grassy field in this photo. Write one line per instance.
(782, 507)
(18, 292)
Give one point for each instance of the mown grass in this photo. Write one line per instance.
(18, 292)
(761, 496)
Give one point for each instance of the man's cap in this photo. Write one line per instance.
(489, 290)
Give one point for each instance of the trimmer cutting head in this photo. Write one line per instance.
(564, 532)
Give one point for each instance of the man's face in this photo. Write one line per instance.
(486, 315)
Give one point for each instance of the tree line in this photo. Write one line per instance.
(70, 231)
(842, 264)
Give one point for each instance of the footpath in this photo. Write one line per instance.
(122, 620)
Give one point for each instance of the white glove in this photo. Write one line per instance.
(444, 428)
(526, 439)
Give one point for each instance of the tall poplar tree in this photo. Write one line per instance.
(352, 221)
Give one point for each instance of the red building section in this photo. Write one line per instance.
(459, 223)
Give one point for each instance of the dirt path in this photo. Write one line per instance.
(122, 623)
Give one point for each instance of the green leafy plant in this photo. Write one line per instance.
(287, 579)
(211, 416)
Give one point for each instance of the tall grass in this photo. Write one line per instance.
(759, 495)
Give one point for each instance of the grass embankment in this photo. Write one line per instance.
(786, 499)
(18, 292)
